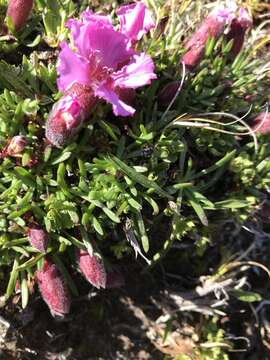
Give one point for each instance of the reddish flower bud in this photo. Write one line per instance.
(261, 123)
(238, 28)
(213, 26)
(53, 289)
(38, 238)
(92, 268)
(14, 147)
(18, 11)
(68, 114)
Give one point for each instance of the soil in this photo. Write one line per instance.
(111, 324)
(118, 324)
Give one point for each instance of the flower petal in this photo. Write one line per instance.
(100, 38)
(139, 72)
(80, 30)
(135, 20)
(72, 69)
(110, 46)
(89, 15)
(76, 30)
(119, 107)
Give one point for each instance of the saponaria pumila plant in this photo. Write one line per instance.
(97, 169)
(104, 66)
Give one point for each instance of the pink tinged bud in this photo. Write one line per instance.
(261, 123)
(18, 11)
(92, 268)
(14, 147)
(238, 28)
(68, 114)
(213, 26)
(53, 289)
(38, 238)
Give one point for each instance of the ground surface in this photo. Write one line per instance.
(111, 325)
(122, 324)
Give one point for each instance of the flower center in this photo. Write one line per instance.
(98, 72)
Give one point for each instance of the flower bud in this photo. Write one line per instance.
(68, 114)
(92, 268)
(53, 289)
(18, 11)
(213, 26)
(38, 238)
(14, 147)
(261, 123)
(238, 28)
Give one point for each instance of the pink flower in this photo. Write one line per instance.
(92, 268)
(238, 28)
(103, 61)
(68, 114)
(18, 11)
(38, 238)
(213, 26)
(261, 123)
(135, 20)
(15, 146)
(53, 289)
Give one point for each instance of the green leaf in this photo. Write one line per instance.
(31, 262)
(61, 158)
(247, 296)
(194, 202)
(24, 290)
(25, 176)
(107, 211)
(18, 213)
(12, 279)
(228, 157)
(209, 47)
(97, 226)
(110, 129)
(35, 42)
(47, 153)
(111, 214)
(142, 232)
(232, 204)
(10, 75)
(153, 204)
(139, 178)
(132, 202)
